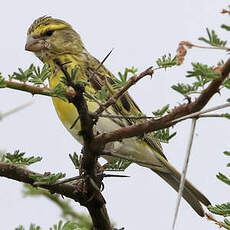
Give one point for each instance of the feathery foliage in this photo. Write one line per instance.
(18, 159)
(47, 178)
(166, 61)
(213, 39)
(118, 165)
(202, 74)
(222, 209)
(119, 83)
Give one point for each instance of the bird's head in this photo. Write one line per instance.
(48, 37)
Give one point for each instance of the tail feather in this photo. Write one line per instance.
(190, 193)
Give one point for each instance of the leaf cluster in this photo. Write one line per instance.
(222, 209)
(68, 225)
(162, 111)
(102, 94)
(59, 91)
(37, 76)
(32, 227)
(67, 210)
(202, 74)
(33, 74)
(166, 61)
(76, 159)
(18, 159)
(164, 135)
(118, 165)
(2, 81)
(213, 39)
(47, 178)
(123, 77)
(40, 75)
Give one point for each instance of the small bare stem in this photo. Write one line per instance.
(3, 115)
(185, 167)
(197, 114)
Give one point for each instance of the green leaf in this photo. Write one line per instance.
(213, 39)
(18, 159)
(2, 81)
(223, 26)
(39, 76)
(162, 111)
(184, 89)
(47, 179)
(226, 221)
(202, 71)
(220, 63)
(227, 153)
(164, 135)
(67, 210)
(223, 178)
(202, 74)
(20, 228)
(119, 83)
(226, 83)
(119, 165)
(34, 227)
(23, 76)
(74, 72)
(82, 82)
(166, 61)
(69, 225)
(102, 94)
(59, 91)
(75, 159)
(223, 209)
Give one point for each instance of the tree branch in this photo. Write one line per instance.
(96, 204)
(24, 175)
(168, 120)
(35, 90)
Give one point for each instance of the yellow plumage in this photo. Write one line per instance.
(52, 39)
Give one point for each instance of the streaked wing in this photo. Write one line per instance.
(125, 105)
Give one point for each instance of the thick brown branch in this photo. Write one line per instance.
(96, 206)
(167, 121)
(24, 175)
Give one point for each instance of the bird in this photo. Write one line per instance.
(52, 39)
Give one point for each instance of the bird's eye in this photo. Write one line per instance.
(48, 33)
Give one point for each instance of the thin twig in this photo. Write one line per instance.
(219, 223)
(75, 122)
(3, 115)
(212, 115)
(101, 63)
(211, 47)
(185, 167)
(80, 177)
(197, 114)
(133, 80)
(125, 117)
(190, 45)
(112, 154)
(36, 90)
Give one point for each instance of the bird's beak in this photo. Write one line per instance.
(34, 44)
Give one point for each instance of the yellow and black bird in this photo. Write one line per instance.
(51, 39)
